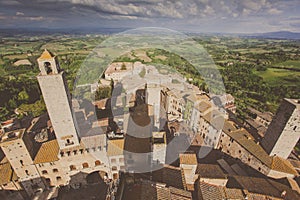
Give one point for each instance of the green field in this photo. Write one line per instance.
(295, 64)
(280, 76)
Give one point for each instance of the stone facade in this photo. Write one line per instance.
(57, 99)
(284, 131)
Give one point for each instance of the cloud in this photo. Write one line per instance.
(274, 11)
(19, 13)
(195, 13)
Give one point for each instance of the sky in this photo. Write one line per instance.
(224, 16)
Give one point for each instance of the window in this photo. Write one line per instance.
(113, 160)
(249, 159)
(114, 168)
(121, 159)
(21, 161)
(85, 165)
(58, 178)
(72, 167)
(47, 67)
(115, 176)
(294, 128)
(44, 172)
(27, 173)
(97, 163)
(259, 169)
(240, 151)
(55, 170)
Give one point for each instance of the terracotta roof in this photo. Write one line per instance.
(210, 171)
(276, 163)
(115, 147)
(171, 176)
(47, 153)
(156, 191)
(233, 193)
(262, 186)
(242, 137)
(228, 126)
(46, 55)
(203, 106)
(210, 192)
(137, 145)
(283, 165)
(188, 159)
(6, 172)
(215, 118)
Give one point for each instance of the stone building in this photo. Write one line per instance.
(284, 131)
(240, 144)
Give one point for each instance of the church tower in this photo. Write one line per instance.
(57, 99)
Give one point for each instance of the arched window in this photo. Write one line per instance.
(55, 170)
(44, 172)
(27, 173)
(72, 167)
(97, 163)
(85, 165)
(47, 67)
(58, 178)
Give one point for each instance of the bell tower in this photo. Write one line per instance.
(57, 99)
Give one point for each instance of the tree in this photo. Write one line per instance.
(23, 96)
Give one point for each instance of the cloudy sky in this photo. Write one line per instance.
(231, 16)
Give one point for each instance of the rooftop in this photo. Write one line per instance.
(48, 152)
(203, 106)
(282, 165)
(115, 147)
(12, 135)
(276, 163)
(171, 176)
(215, 118)
(6, 172)
(242, 137)
(156, 191)
(210, 171)
(46, 55)
(262, 186)
(137, 145)
(188, 159)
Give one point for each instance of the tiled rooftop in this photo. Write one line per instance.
(46, 55)
(171, 176)
(276, 163)
(188, 159)
(115, 147)
(210, 171)
(48, 152)
(6, 172)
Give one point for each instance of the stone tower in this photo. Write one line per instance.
(284, 131)
(19, 150)
(57, 99)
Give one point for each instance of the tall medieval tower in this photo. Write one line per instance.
(57, 99)
(284, 131)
